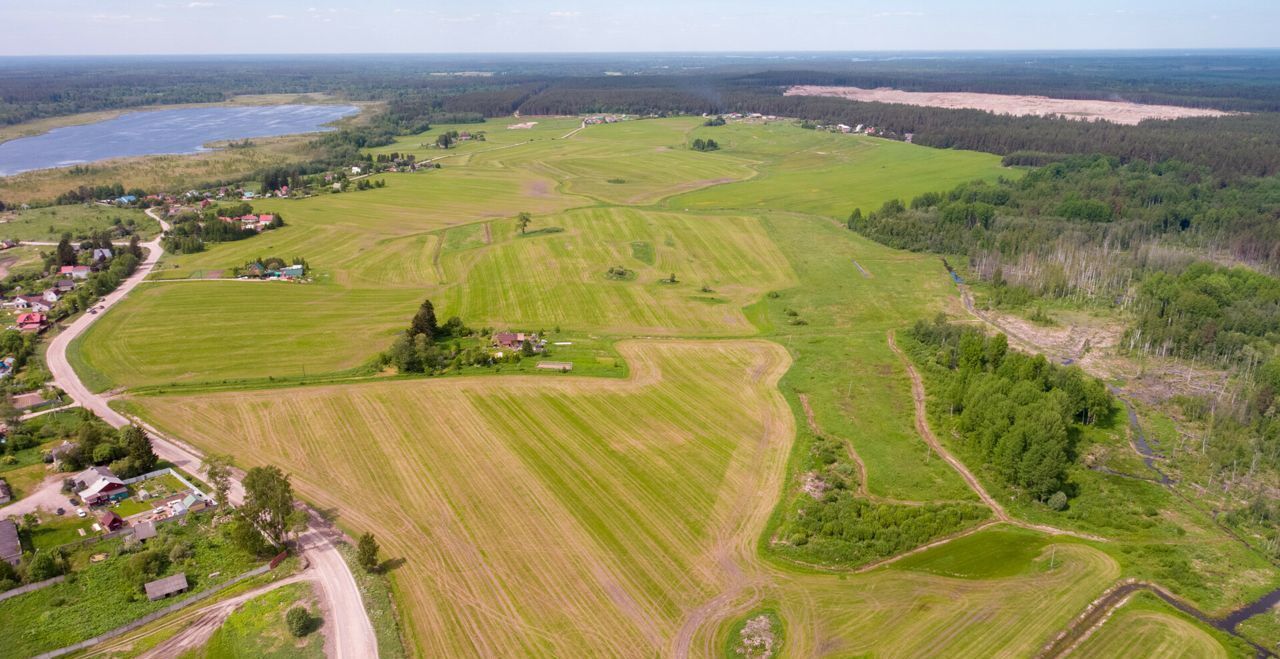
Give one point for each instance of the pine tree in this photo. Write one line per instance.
(424, 322)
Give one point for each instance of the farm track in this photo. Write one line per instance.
(350, 633)
(198, 623)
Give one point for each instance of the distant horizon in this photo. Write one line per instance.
(303, 27)
(723, 53)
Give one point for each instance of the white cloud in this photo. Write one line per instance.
(277, 17)
(887, 14)
(565, 14)
(201, 5)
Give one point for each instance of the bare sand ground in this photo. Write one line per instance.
(1120, 112)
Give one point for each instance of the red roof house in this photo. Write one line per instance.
(32, 322)
(76, 271)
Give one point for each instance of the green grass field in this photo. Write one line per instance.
(101, 597)
(81, 221)
(831, 174)
(257, 629)
(1147, 627)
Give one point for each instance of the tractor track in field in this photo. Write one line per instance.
(1101, 609)
(735, 551)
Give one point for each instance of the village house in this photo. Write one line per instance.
(101, 254)
(64, 286)
(6, 494)
(8, 244)
(99, 486)
(58, 453)
(110, 521)
(75, 271)
(6, 367)
(10, 546)
(516, 340)
(292, 271)
(32, 322)
(51, 296)
(167, 587)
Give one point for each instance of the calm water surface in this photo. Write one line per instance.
(185, 130)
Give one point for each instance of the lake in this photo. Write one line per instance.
(179, 131)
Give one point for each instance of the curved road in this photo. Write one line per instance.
(350, 633)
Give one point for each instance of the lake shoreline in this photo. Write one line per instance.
(44, 125)
(166, 131)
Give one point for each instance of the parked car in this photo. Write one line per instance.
(61, 511)
(80, 512)
(72, 501)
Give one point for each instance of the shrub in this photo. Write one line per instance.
(299, 621)
(1058, 501)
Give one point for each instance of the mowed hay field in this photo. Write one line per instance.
(577, 517)
(721, 264)
(563, 515)
(1146, 627)
(536, 516)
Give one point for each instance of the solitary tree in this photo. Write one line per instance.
(523, 219)
(367, 552)
(269, 502)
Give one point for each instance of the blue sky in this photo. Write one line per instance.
(361, 26)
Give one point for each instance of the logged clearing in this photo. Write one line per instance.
(586, 517)
(1119, 112)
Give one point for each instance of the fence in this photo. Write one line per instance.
(32, 587)
(154, 616)
(171, 472)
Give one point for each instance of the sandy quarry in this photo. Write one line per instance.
(1120, 112)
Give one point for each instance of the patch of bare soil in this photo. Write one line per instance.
(538, 189)
(1119, 112)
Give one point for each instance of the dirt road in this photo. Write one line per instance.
(349, 631)
(922, 426)
(199, 625)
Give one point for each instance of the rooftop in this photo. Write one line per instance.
(10, 547)
(166, 586)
